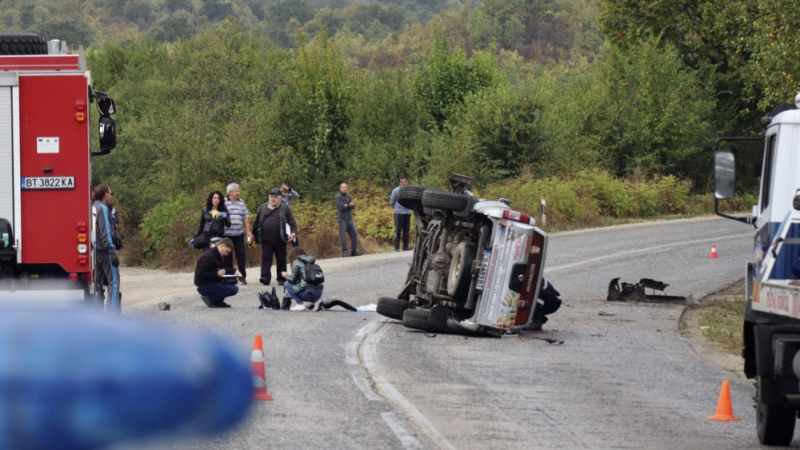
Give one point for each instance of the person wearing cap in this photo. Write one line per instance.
(270, 230)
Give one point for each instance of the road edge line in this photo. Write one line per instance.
(387, 390)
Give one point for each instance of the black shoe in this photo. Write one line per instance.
(355, 253)
(207, 301)
(405, 249)
(264, 281)
(243, 281)
(222, 304)
(344, 254)
(281, 282)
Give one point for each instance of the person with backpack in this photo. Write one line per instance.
(305, 283)
(214, 218)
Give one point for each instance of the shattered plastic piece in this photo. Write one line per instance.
(164, 306)
(372, 307)
(603, 313)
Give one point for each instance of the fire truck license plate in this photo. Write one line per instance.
(48, 182)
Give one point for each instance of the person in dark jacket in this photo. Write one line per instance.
(105, 256)
(214, 218)
(296, 285)
(208, 276)
(273, 228)
(345, 206)
(550, 299)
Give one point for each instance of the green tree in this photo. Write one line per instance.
(447, 76)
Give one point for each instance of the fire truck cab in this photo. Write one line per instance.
(46, 169)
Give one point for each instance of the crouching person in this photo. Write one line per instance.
(550, 299)
(208, 277)
(298, 285)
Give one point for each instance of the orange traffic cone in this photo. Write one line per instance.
(713, 254)
(259, 374)
(724, 408)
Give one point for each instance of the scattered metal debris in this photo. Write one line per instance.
(430, 335)
(636, 292)
(548, 340)
(163, 306)
(603, 313)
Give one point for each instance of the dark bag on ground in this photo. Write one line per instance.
(314, 275)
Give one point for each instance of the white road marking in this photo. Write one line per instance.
(362, 384)
(366, 329)
(402, 433)
(390, 392)
(642, 250)
(351, 353)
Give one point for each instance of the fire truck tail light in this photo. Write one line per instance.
(81, 227)
(80, 106)
(82, 248)
(517, 216)
(73, 276)
(81, 237)
(80, 116)
(83, 260)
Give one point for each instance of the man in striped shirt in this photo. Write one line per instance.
(240, 223)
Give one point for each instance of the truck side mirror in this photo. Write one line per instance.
(797, 200)
(108, 134)
(6, 236)
(105, 104)
(724, 175)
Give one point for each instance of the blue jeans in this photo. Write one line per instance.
(218, 291)
(308, 294)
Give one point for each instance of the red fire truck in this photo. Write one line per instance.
(46, 168)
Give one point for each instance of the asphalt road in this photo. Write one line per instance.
(623, 379)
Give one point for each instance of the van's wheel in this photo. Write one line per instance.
(22, 44)
(416, 319)
(410, 196)
(775, 425)
(445, 201)
(391, 307)
(460, 276)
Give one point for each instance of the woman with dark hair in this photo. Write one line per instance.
(214, 218)
(297, 285)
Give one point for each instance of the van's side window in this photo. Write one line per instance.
(766, 176)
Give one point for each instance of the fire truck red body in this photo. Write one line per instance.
(45, 177)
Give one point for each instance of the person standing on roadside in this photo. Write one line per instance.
(345, 207)
(402, 218)
(213, 218)
(106, 258)
(288, 195)
(240, 224)
(270, 231)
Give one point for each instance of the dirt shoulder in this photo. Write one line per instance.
(713, 328)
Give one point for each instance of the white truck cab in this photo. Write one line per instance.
(771, 347)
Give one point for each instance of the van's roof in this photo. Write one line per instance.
(791, 116)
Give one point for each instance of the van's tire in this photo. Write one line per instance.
(460, 276)
(416, 319)
(410, 196)
(392, 307)
(774, 425)
(445, 201)
(22, 44)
